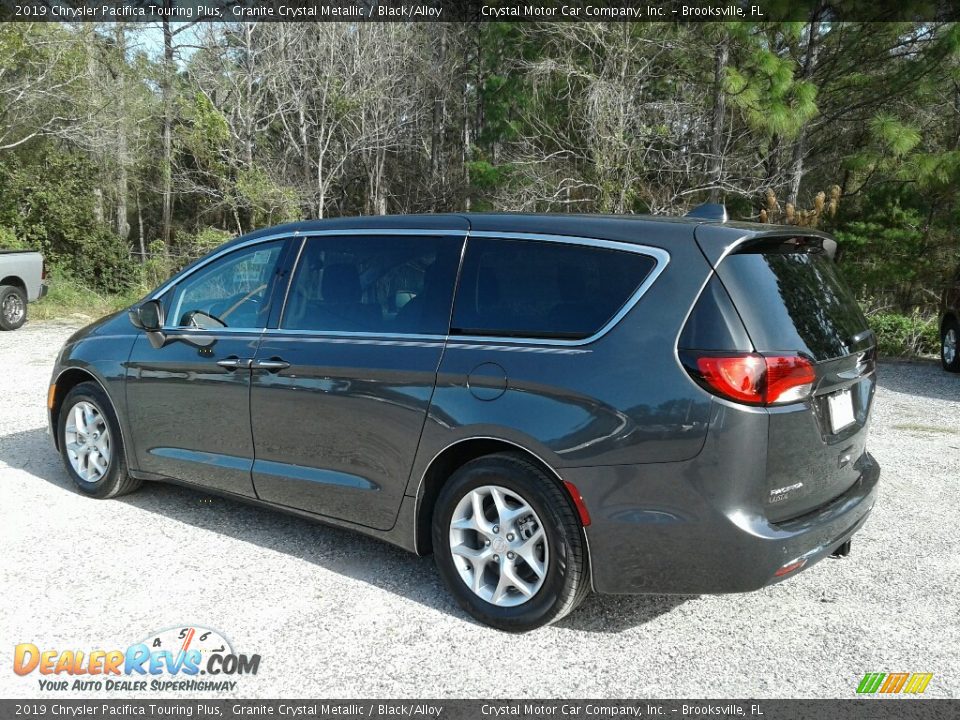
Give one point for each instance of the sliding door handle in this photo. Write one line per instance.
(234, 363)
(271, 365)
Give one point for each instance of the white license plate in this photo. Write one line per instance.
(841, 410)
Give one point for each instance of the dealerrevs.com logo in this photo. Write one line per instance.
(181, 659)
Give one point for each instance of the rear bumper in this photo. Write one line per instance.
(44, 289)
(652, 532)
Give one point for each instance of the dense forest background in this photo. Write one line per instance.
(127, 150)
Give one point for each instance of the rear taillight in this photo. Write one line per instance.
(751, 378)
(43, 269)
(789, 378)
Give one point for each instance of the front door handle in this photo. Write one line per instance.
(234, 363)
(272, 365)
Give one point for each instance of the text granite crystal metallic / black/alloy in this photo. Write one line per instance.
(547, 403)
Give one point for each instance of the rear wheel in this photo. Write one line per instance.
(91, 446)
(13, 307)
(509, 545)
(949, 354)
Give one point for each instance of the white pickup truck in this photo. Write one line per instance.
(21, 281)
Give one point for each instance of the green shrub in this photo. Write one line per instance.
(47, 205)
(194, 245)
(157, 266)
(68, 297)
(901, 335)
(9, 240)
(102, 262)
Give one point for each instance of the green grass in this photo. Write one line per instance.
(68, 299)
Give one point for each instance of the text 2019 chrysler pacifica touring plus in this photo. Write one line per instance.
(549, 404)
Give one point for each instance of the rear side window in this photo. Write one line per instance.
(791, 298)
(523, 288)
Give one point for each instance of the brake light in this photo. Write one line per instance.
(752, 378)
(43, 269)
(789, 378)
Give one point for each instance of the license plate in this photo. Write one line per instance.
(841, 410)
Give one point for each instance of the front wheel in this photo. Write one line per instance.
(509, 544)
(13, 307)
(91, 446)
(949, 356)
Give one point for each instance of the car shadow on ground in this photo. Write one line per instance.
(342, 551)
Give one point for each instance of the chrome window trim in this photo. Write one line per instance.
(156, 294)
(660, 256)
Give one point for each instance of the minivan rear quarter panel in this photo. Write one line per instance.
(621, 399)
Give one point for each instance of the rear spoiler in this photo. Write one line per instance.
(717, 241)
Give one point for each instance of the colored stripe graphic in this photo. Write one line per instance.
(893, 683)
(870, 683)
(918, 683)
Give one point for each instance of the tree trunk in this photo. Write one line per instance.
(166, 221)
(123, 225)
(439, 115)
(799, 144)
(143, 239)
(721, 56)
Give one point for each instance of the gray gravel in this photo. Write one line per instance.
(335, 614)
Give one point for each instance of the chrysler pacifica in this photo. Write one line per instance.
(548, 404)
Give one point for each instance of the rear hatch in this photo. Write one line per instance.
(793, 304)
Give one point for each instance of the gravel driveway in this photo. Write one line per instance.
(337, 615)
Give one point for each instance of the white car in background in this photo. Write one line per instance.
(21, 281)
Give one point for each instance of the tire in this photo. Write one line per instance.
(13, 307)
(559, 551)
(949, 340)
(102, 465)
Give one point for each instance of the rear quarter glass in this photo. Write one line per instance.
(529, 288)
(713, 324)
(793, 300)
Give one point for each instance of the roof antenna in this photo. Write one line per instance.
(716, 212)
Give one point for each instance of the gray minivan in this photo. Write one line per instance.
(548, 403)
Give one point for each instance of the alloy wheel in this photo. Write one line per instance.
(499, 546)
(87, 439)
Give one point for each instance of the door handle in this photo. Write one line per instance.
(234, 363)
(272, 365)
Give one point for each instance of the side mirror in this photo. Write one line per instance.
(148, 316)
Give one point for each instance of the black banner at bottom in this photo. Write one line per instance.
(873, 709)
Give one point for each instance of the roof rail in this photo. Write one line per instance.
(717, 212)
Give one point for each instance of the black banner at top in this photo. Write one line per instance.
(476, 10)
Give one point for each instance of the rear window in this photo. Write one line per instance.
(523, 288)
(791, 298)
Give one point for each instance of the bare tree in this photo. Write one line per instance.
(37, 80)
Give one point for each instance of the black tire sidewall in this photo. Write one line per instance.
(556, 590)
(108, 484)
(950, 324)
(5, 291)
